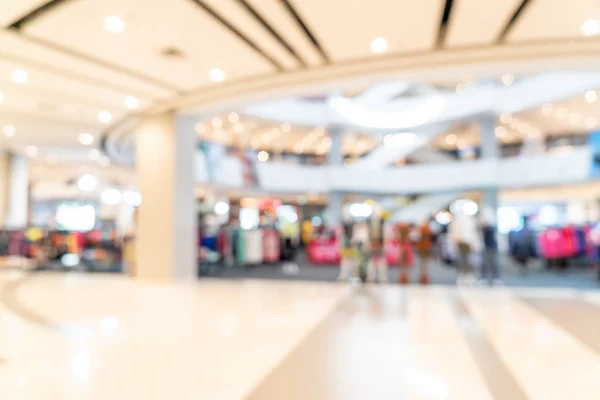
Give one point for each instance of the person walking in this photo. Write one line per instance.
(463, 234)
(489, 268)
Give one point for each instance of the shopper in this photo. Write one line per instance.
(424, 246)
(463, 234)
(349, 254)
(489, 268)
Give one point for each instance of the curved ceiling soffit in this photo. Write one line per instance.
(525, 58)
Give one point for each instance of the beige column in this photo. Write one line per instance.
(166, 221)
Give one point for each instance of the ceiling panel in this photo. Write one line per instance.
(478, 22)
(19, 101)
(152, 26)
(346, 28)
(547, 19)
(61, 85)
(234, 13)
(281, 20)
(12, 10)
(14, 47)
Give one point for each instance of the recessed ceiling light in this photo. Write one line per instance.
(590, 27)
(93, 154)
(379, 45)
(216, 122)
(200, 128)
(547, 108)
(574, 117)
(508, 79)
(9, 130)
(505, 118)
(31, 151)
(451, 139)
(85, 138)
(217, 75)
(114, 24)
(104, 117)
(263, 156)
(132, 103)
(233, 117)
(562, 113)
(590, 122)
(20, 76)
(591, 96)
(285, 127)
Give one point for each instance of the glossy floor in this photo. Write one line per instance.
(69, 336)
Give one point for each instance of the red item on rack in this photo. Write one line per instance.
(554, 244)
(271, 246)
(323, 251)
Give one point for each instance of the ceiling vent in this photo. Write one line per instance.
(172, 53)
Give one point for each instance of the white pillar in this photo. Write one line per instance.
(17, 203)
(333, 214)
(166, 224)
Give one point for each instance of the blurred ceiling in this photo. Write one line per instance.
(69, 67)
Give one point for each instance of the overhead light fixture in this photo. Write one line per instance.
(19, 76)
(132, 103)
(9, 130)
(200, 128)
(114, 24)
(87, 183)
(31, 151)
(508, 79)
(111, 196)
(286, 127)
(590, 122)
(505, 118)
(132, 198)
(265, 137)
(93, 154)
(217, 75)
(105, 117)
(216, 122)
(379, 45)
(590, 27)
(263, 156)
(574, 117)
(500, 131)
(85, 138)
(562, 113)
(547, 108)
(233, 117)
(221, 208)
(591, 96)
